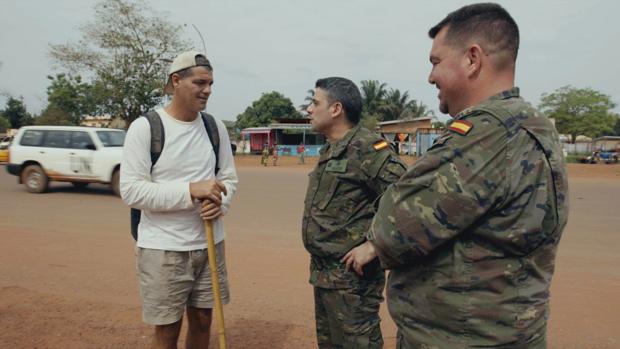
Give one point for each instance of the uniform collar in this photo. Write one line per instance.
(507, 94)
(512, 93)
(332, 150)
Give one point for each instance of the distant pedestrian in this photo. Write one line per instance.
(301, 150)
(275, 154)
(265, 155)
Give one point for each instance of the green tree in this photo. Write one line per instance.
(580, 111)
(307, 101)
(416, 109)
(53, 115)
(373, 93)
(15, 112)
(394, 105)
(70, 95)
(438, 124)
(4, 124)
(269, 106)
(124, 49)
(232, 129)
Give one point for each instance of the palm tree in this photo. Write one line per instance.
(394, 105)
(373, 94)
(416, 109)
(307, 101)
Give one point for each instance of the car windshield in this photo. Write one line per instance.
(111, 138)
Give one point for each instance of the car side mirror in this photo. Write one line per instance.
(91, 147)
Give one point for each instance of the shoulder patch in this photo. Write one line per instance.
(380, 145)
(461, 127)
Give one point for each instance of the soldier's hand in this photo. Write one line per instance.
(359, 256)
(208, 190)
(210, 210)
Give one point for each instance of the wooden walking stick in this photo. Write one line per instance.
(215, 282)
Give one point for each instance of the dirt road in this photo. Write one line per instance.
(67, 277)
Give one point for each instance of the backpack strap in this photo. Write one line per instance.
(157, 145)
(214, 137)
(157, 135)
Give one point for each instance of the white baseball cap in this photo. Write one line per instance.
(183, 61)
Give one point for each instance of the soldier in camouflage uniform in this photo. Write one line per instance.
(354, 169)
(471, 231)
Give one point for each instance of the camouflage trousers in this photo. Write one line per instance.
(348, 318)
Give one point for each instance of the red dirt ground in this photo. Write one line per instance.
(67, 275)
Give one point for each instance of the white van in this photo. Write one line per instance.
(80, 155)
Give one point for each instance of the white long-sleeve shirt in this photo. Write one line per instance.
(170, 219)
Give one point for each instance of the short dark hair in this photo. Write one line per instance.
(489, 22)
(346, 92)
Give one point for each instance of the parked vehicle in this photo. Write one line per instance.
(606, 156)
(4, 155)
(80, 155)
(5, 142)
(4, 149)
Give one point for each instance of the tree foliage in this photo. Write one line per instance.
(4, 124)
(269, 106)
(307, 101)
(69, 95)
(383, 104)
(438, 124)
(580, 111)
(373, 93)
(54, 116)
(15, 112)
(394, 105)
(124, 50)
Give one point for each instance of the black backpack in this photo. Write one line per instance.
(157, 144)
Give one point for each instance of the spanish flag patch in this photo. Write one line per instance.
(461, 127)
(380, 145)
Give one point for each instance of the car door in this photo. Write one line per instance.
(54, 154)
(80, 156)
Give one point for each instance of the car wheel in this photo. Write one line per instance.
(80, 185)
(116, 188)
(35, 179)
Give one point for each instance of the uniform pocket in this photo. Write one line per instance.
(324, 202)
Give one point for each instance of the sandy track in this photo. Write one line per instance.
(67, 276)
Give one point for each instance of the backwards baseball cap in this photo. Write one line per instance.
(183, 61)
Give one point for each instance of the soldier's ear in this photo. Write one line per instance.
(474, 56)
(336, 109)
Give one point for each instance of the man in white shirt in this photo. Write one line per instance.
(176, 195)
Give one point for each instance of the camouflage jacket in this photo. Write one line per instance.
(351, 174)
(471, 231)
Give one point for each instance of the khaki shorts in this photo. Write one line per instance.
(169, 281)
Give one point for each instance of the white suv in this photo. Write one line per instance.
(79, 155)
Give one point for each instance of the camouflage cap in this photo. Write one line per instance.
(183, 61)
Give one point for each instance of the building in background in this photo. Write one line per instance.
(287, 133)
(409, 137)
(105, 121)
